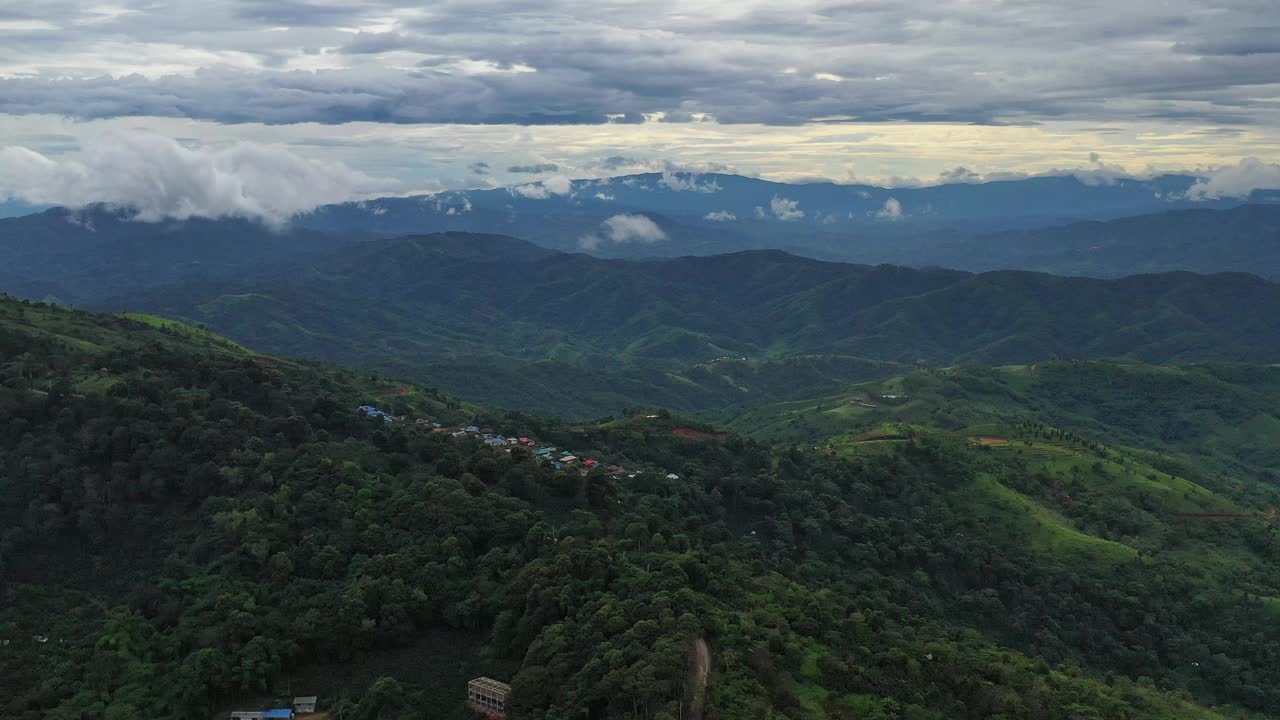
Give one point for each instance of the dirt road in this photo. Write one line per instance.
(699, 669)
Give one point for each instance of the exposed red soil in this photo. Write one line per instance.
(699, 434)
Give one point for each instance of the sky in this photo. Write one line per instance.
(296, 102)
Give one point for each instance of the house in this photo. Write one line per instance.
(523, 440)
(436, 425)
(277, 714)
(488, 697)
(373, 412)
(543, 452)
(471, 429)
(590, 463)
(672, 476)
(304, 704)
(568, 459)
(246, 715)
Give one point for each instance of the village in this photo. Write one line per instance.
(557, 458)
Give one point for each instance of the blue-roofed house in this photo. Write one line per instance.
(544, 451)
(277, 714)
(471, 429)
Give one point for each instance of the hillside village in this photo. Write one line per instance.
(556, 457)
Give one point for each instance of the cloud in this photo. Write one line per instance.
(622, 229)
(785, 209)
(162, 179)
(479, 168)
(891, 211)
(537, 169)
(1100, 173)
(286, 61)
(960, 175)
(1237, 181)
(720, 216)
(604, 196)
(687, 182)
(555, 185)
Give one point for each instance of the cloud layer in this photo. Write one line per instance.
(163, 179)
(574, 61)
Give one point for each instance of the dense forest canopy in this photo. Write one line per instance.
(190, 526)
(498, 320)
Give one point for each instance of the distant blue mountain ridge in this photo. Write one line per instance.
(1061, 225)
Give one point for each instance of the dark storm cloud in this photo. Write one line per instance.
(574, 61)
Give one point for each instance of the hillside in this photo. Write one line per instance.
(192, 527)
(1243, 239)
(499, 320)
(1220, 417)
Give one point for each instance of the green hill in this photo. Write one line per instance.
(498, 320)
(192, 528)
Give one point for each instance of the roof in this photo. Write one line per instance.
(490, 684)
(277, 713)
(308, 700)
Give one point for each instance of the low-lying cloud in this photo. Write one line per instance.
(891, 210)
(623, 229)
(1237, 181)
(162, 179)
(557, 185)
(687, 182)
(720, 216)
(785, 209)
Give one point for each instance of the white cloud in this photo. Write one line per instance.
(687, 183)
(621, 229)
(785, 209)
(163, 179)
(892, 210)
(1237, 181)
(604, 196)
(1100, 173)
(555, 185)
(720, 216)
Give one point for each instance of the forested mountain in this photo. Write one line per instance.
(1221, 415)
(1243, 239)
(715, 213)
(500, 320)
(89, 253)
(82, 256)
(192, 527)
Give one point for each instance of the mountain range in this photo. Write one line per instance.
(501, 320)
(1065, 225)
